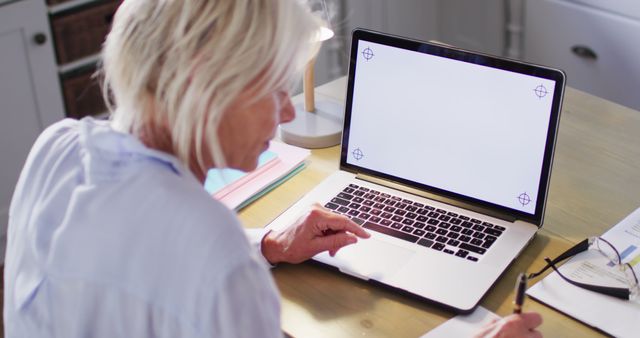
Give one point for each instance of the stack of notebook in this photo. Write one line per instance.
(237, 189)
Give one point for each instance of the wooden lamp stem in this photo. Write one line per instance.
(308, 87)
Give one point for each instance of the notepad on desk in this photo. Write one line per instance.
(237, 189)
(611, 315)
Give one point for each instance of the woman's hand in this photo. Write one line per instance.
(320, 230)
(516, 325)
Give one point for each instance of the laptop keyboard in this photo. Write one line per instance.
(430, 227)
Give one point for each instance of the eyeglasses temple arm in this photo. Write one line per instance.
(620, 293)
(576, 249)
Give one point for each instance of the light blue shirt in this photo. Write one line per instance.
(108, 238)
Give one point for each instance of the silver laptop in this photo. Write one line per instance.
(446, 159)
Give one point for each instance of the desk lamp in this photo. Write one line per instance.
(318, 124)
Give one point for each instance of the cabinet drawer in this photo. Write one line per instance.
(82, 95)
(598, 50)
(82, 33)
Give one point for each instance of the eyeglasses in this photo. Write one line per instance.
(609, 251)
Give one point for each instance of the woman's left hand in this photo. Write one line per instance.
(319, 230)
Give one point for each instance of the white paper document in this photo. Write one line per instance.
(620, 318)
(463, 325)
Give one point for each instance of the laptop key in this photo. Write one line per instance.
(492, 231)
(422, 211)
(473, 259)
(365, 208)
(430, 235)
(389, 209)
(364, 215)
(411, 215)
(478, 227)
(472, 248)
(348, 190)
(464, 238)
(452, 214)
(354, 206)
(438, 246)
(441, 211)
(487, 244)
(444, 225)
(391, 232)
(343, 210)
(474, 220)
(497, 227)
(456, 228)
(422, 219)
(418, 225)
(466, 224)
(490, 238)
(357, 220)
(419, 232)
(433, 214)
(358, 199)
(397, 218)
(386, 222)
(487, 224)
(464, 218)
(412, 208)
(441, 232)
(455, 221)
(433, 221)
(359, 193)
(450, 252)
(442, 239)
(340, 201)
(368, 203)
(419, 205)
(400, 212)
(353, 213)
(462, 253)
(453, 235)
(453, 242)
(386, 215)
(407, 229)
(345, 196)
(430, 228)
(425, 242)
(467, 232)
(331, 206)
(396, 225)
(354, 186)
(476, 241)
(478, 235)
(407, 221)
(375, 219)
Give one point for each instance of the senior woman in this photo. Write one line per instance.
(110, 231)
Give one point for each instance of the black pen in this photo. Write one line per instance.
(521, 287)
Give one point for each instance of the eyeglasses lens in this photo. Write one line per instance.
(607, 250)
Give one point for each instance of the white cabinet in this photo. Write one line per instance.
(596, 45)
(30, 97)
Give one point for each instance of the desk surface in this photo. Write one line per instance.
(595, 182)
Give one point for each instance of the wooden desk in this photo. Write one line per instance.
(595, 183)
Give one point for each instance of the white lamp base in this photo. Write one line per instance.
(320, 129)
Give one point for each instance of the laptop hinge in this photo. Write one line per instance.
(421, 193)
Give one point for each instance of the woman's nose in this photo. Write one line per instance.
(287, 111)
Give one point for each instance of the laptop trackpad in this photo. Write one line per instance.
(371, 259)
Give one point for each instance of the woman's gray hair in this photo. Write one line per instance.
(178, 64)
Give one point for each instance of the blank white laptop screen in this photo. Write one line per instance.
(461, 127)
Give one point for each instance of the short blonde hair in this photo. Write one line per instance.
(194, 57)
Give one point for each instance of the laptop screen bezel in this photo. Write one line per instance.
(475, 58)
